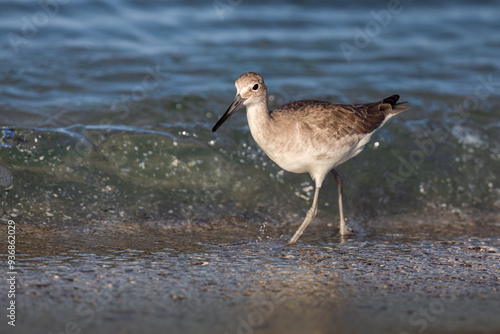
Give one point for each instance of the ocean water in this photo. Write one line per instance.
(117, 100)
(106, 113)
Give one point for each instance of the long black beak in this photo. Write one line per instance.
(237, 104)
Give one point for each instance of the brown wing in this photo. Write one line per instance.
(338, 120)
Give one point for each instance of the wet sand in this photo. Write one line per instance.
(405, 275)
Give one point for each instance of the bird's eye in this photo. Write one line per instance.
(255, 87)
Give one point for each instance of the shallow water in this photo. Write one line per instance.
(115, 181)
(130, 277)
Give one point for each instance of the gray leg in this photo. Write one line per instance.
(309, 217)
(343, 230)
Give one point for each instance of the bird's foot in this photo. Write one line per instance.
(350, 228)
(345, 230)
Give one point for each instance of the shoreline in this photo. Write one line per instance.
(130, 277)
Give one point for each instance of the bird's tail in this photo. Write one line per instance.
(397, 107)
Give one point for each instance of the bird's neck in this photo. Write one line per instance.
(259, 120)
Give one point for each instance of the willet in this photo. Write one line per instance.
(310, 136)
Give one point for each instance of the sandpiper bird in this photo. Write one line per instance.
(310, 136)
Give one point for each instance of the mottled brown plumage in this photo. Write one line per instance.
(340, 120)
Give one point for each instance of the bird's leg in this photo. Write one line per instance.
(309, 217)
(343, 230)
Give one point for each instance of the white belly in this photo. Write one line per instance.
(314, 158)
